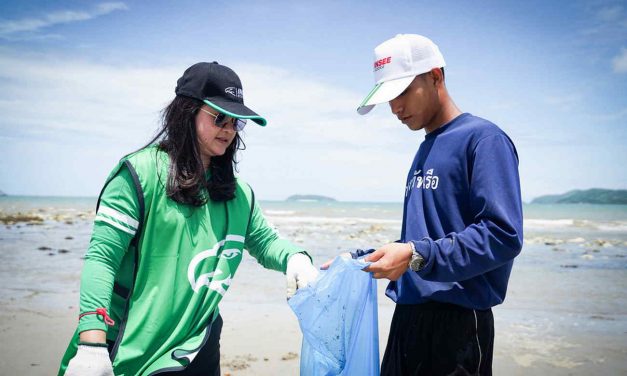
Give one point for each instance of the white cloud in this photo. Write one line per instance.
(314, 142)
(618, 115)
(619, 63)
(502, 106)
(610, 13)
(607, 26)
(51, 95)
(564, 102)
(317, 113)
(10, 28)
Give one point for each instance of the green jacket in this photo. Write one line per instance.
(175, 264)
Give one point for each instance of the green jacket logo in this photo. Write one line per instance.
(218, 280)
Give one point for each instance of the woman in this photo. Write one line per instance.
(168, 236)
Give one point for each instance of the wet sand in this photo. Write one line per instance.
(564, 315)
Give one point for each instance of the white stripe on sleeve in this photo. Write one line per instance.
(114, 224)
(235, 238)
(119, 216)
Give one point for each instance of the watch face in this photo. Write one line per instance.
(416, 263)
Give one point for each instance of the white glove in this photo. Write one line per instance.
(90, 361)
(300, 273)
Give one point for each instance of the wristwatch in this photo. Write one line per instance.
(416, 262)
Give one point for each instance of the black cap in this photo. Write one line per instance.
(218, 87)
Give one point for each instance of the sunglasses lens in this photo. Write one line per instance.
(221, 120)
(240, 124)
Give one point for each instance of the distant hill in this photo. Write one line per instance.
(310, 198)
(588, 196)
(2, 194)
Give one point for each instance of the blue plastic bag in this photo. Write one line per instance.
(338, 317)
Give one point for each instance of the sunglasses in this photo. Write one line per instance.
(221, 120)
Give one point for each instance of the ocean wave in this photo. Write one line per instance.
(270, 212)
(332, 220)
(551, 223)
(555, 224)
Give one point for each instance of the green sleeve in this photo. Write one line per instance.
(114, 227)
(264, 244)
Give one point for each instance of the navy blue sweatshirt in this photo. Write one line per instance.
(463, 212)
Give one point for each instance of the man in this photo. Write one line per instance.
(462, 220)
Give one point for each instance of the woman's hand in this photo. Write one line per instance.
(90, 360)
(300, 273)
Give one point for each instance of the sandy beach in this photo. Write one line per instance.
(564, 315)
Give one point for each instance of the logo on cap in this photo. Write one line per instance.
(381, 63)
(234, 91)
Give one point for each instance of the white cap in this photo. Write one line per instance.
(396, 62)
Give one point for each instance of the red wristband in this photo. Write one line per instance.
(101, 312)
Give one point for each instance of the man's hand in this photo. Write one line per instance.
(300, 273)
(390, 261)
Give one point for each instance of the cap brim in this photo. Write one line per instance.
(384, 92)
(236, 110)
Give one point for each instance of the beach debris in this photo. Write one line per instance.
(236, 364)
(289, 356)
(371, 230)
(249, 357)
(44, 248)
(69, 238)
(11, 219)
(572, 266)
(239, 362)
(553, 242)
(601, 317)
(603, 243)
(50, 253)
(63, 251)
(587, 256)
(39, 216)
(265, 359)
(543, 240)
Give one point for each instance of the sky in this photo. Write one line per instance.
(82, 83)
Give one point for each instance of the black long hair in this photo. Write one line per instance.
(187, 182)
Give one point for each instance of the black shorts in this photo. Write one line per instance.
(207, 361)
(439, 339)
